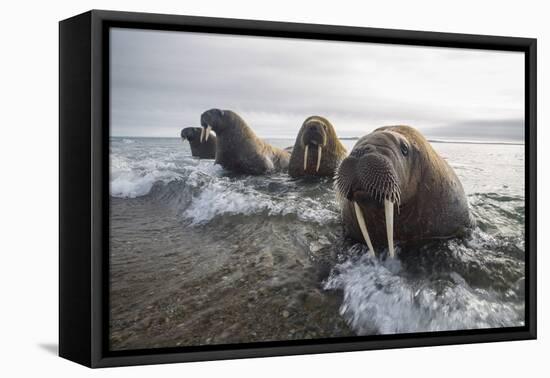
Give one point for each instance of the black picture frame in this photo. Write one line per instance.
(84, 191)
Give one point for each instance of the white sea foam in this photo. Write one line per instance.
(132, 184)
(215, 199)
(377, 299)
(224, 197)
(130, 179)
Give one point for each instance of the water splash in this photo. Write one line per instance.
(223, 196)
(385, 296)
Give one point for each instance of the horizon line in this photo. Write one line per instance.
(434, 140)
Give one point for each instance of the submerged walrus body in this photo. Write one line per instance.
(204, 149)
(238, 149)
(317, 150)
(394, 186)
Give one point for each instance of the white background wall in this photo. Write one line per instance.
(29, 189)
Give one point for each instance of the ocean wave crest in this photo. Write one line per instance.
(385, 297)
(202, 190)
(226, 197)
(130, 179)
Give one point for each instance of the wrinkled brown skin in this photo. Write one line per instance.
(205, 150)
(333, 151)
(433, 202)
(238, 149)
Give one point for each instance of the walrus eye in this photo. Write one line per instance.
(404, 149)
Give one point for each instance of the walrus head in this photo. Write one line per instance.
(191, 133)
(211, 120)
(314, 134)
(380, 172)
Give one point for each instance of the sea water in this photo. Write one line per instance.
(199, 255)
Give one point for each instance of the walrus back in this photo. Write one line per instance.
(204, 150)
(240, 150)
(280, 157)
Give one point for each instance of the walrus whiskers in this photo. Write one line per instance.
(363, 226)
(388, 207)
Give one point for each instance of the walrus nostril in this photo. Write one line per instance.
(362, 151)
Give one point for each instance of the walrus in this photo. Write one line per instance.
(238, 149)
(205, 149)
(394, 174)
(317, 150)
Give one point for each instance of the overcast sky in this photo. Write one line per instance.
(163, 81)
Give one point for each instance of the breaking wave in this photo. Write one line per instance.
(222, 198)
(203, 191)
(130, 179)
(466, 284)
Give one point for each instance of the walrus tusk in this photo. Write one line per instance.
(202, 134)
(319, 149)
(207, 132)
(305, 157)
(363, 226)
(388, 206)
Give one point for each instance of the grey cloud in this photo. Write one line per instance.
(495, 130)
(162, 81)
